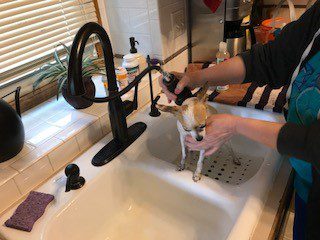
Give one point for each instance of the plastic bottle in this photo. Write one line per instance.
(105, 84)
(122, 77)
(131, 64)
(222, 56)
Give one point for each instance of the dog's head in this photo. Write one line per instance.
(192, 114)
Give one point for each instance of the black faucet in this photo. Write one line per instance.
(74, 180)
(118, 110)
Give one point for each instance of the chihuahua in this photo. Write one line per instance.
(192, 116)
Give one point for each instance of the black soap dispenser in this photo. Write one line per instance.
(133, 48)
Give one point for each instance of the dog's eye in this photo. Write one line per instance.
(188, 130)
(202, 126)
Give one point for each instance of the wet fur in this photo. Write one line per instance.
(192, 115)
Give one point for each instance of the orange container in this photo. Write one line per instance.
(277, 23)
(265, 32)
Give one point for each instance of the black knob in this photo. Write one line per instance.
(74, 181)
(72, 170)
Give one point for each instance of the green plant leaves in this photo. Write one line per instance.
(61, 82)
(59, 62)
(58, 71)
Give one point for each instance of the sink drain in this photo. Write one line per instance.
(220, 165)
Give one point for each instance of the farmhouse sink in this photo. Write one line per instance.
(139, 195)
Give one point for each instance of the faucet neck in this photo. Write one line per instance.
(76, 85)
(75, 82)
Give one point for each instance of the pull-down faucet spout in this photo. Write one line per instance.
(118, 111)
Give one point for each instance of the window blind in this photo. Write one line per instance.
(30, 29)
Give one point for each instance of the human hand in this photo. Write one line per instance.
(219, 129)
(185, 80)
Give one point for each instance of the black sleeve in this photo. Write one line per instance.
(275, 62)
(302, 142)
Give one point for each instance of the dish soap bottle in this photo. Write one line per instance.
(171, 81)
(133, 50)
(222, 56)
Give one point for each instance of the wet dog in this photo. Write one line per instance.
(192, 116)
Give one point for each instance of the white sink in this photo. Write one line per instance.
(139, 195)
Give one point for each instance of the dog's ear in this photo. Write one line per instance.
(202, 94)
(169, 109)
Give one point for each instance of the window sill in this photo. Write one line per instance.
(55, 134)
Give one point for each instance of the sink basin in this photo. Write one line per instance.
(133, 204)
(139, 195)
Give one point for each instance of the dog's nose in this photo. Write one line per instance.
(199, 138)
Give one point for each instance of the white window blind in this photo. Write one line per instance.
(30, 29)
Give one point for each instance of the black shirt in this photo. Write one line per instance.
(274, 64)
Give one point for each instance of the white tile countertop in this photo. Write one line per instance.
(55, 134)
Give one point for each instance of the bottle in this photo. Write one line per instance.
(122, 78)
(222, 56)
(171, 81)
(131, 64)
(133, 50)
(105, 84)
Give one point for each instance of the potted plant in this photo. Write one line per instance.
(58, 71)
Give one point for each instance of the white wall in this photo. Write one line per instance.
(284, 12)
(158, 25)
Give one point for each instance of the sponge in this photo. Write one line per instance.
(29, 211)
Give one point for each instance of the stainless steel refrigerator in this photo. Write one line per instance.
(207, 29)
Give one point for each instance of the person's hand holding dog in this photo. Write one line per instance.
(219, 129)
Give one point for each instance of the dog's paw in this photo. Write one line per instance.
(180, 167)
(196, 177)
(236, 161)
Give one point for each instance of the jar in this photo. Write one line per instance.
(142, 61)
(131, 64)
(122, 78)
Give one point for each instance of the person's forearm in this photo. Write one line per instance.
(232, 71)
(261, 131)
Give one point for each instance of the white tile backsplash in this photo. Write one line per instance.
(150, 22)
(64, 154)
(38, 153)
(153, 9)
(75, 128)
(139, 21)
(128, 3)
(9, 194)
(27, 148)
(156, 38)
(145, 46)
(89, 136)
(6, 174)
(119, 23)
(40, 134)
(33, 175)
(65, 118)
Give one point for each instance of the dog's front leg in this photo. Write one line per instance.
(197, 173)
(182, 163)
